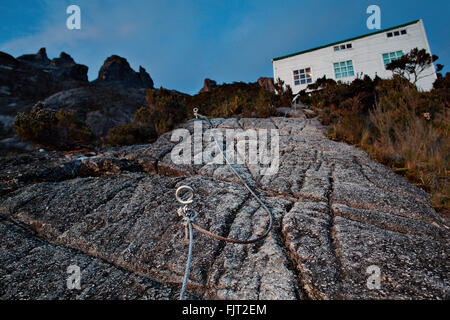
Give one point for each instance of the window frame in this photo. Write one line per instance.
(343, 69)
(397, 33)
(344, 46)
(304, 76)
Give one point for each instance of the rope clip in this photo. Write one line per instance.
(187, 214)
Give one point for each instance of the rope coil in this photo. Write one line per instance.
(184, 212)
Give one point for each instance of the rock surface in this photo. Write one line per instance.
(32, 77)
(113, 214)
(61, 83)
(101, 107)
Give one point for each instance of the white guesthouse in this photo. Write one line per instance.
(348, 59)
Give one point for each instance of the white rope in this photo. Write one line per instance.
(188, 264)
(189, 220)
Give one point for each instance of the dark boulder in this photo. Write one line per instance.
(116, 71)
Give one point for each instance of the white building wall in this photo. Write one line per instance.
(366, 55)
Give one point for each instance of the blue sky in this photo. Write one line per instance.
(181, 42)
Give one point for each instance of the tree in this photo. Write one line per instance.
(284, 92)
(412, 65)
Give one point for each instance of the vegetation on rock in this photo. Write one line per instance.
(394, 122)
(58, 130)
(240, 99)
(129, 134)
(162, 111)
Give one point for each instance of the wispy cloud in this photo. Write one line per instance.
(181, 42)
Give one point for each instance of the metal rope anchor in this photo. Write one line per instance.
(189, 215)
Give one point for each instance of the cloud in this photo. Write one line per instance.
(182, 42)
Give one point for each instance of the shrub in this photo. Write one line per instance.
(238, 99)
(51, 129)
(395, 123)
(129, 134)
(164, 109)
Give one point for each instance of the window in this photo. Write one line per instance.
(344, 69)
(396, 33)
(342, 47)
(302, 76)
(391, 56)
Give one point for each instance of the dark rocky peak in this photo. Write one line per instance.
(117, 71)
(7, 60)
(208, 85)
(114, 68)
(39, 58)
(63, 60)
(145, 78)
(33, 77)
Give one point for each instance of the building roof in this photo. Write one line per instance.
(347, 40)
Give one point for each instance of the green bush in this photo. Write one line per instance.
(129, 134)
(59, 130)
(396, 124)
(164, 109)
(239, 99)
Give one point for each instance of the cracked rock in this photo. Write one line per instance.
(337, 215)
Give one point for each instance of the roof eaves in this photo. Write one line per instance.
(339, 42)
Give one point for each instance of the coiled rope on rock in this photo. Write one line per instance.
(189, 215)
